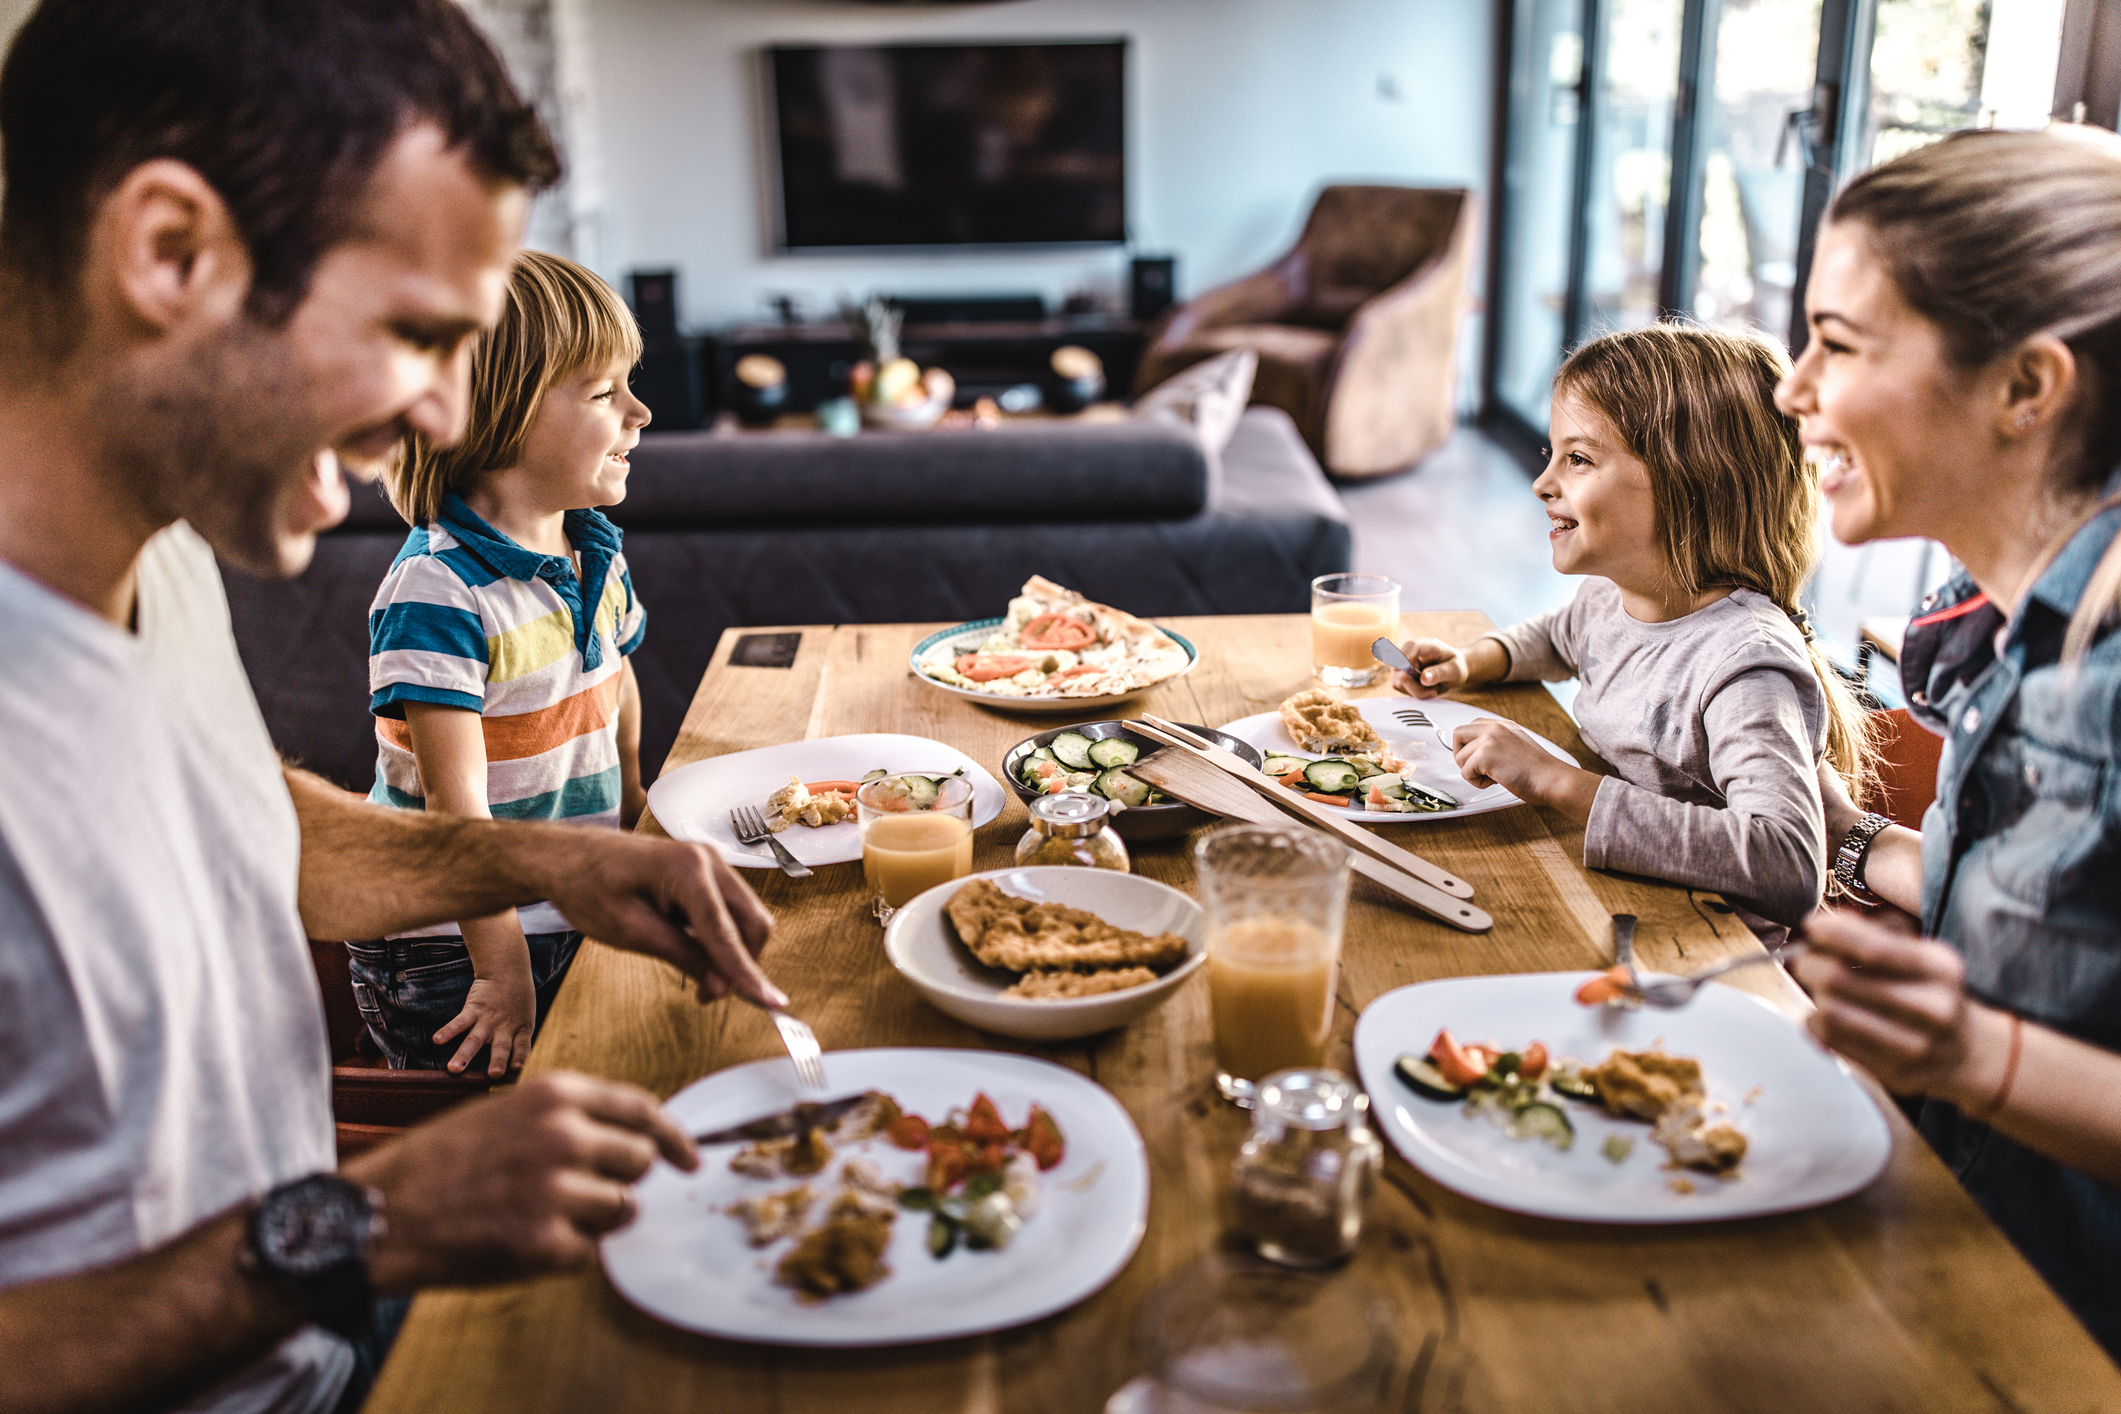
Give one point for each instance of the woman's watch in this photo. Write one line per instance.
(310, 1238)
(1855, 849)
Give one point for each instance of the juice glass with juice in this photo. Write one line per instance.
(916, 833)
(1275, 897)
(1348, 613)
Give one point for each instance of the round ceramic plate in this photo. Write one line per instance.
(924, 947)
(1813, 1134)
(1427, 760)
(684, 1260)
(693, 802)
(967, 638)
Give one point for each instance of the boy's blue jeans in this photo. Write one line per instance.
(410, 988)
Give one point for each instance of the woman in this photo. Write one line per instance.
(1963, 382)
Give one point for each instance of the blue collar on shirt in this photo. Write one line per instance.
(591, 533)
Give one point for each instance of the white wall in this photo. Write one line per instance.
(1238, 110)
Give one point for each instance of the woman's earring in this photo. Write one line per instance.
(2026, 421)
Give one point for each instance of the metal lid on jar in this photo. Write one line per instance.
(1069, 815)
(1309, 1099)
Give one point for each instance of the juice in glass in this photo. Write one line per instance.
(1348, 613)
(916, 833)
(1274, 896)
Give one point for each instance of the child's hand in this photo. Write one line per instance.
(1494, 752)
(1441, 668)
(501, 1012)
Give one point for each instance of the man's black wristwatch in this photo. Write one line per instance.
(310, 1238)
(1855, 848)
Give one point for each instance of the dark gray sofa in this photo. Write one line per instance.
(727, 529)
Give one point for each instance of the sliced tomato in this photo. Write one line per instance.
(948, 1164)
(984, 1122)
(908, 1132)
(1461, 1065)
(1077, 671)
(1608, 986)
(1057, 631)
(989, 667)
(1041, 1139)
(1534, 1061)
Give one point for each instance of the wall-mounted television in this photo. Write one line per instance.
(914, 145)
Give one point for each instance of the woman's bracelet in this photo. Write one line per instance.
(2010, 1075)
(1855, 851)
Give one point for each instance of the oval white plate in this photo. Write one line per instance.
(1430, 764)
(967, 637)
(924, 948)
(693, 802)
(686, 1262)
(1813, 1133)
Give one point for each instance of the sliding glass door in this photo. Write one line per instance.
(1668, 157)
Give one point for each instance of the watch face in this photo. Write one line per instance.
(308, 1228)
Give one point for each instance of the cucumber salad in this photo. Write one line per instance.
(1371, 780)
(1073, 761)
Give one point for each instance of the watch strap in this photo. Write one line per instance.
(340, 1297)
(1855, 850)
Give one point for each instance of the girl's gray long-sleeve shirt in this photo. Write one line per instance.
(1715, 722)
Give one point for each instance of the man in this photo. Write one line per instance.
(245, 242)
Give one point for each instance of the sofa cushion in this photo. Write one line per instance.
(1022, 472)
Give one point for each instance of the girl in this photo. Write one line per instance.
(1681, 493)
(497, 654)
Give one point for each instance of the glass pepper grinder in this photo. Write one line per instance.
(1072, 829)
(1304, 1179)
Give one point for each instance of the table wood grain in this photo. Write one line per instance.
(1903, 1297)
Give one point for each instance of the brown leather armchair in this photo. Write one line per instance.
(1356, 328)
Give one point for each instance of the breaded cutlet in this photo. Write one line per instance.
(1022, 936)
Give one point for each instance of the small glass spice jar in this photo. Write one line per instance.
(1072, 829)
(1304, 1179)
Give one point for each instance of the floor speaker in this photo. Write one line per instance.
(1153, 286)
(655, 302)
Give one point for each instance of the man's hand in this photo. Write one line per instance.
(1897, 1006)
(499, 1011)
(679, 902)
(1438, 668)
(517, 1184)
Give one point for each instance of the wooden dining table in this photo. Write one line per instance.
(1901, 1297)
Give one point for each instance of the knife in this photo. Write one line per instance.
(805, 1116)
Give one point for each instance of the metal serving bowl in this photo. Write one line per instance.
(1146, 822)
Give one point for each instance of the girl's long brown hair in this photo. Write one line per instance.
(1737, 507)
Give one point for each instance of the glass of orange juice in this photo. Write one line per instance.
(916, 833)
(1349, 612)
(1275, 896)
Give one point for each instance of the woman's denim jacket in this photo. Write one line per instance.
(2021, 872)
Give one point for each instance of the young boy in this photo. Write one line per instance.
(497, 655)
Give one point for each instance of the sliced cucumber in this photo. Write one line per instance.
(1366, 766)
(1540, 1120)
(921, 791)
(1044, 753)
(1426, 798)
(1282, 765)
(1072, 749)
(1114, 752)
(878, 774)
(1331, 777)
(1424, 1079)
(1569, 1081)
(1116, 784)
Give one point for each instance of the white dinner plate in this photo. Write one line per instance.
(967, 637)
(684, 1260)
(1813, 1134)
(693, 802)
(1427, 761)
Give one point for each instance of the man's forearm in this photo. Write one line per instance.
(149, 1333)
(370, 870)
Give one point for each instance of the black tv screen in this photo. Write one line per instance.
(950, 144)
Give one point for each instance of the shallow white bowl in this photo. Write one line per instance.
(924, 948)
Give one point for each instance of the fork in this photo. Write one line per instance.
(1670, 992)
(1624, 946)
(804, 1053)
(750, 828)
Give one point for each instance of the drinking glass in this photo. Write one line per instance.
(1230, 1336)
(910, 841)
(1348, 613)
(1275, 897)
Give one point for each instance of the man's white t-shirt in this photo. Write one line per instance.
(163, 1054)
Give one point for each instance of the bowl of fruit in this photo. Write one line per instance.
(890, 389)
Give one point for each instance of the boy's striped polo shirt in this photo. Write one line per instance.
(468, 618)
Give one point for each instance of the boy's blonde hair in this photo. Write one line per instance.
(558, 320)
(1737, 507)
